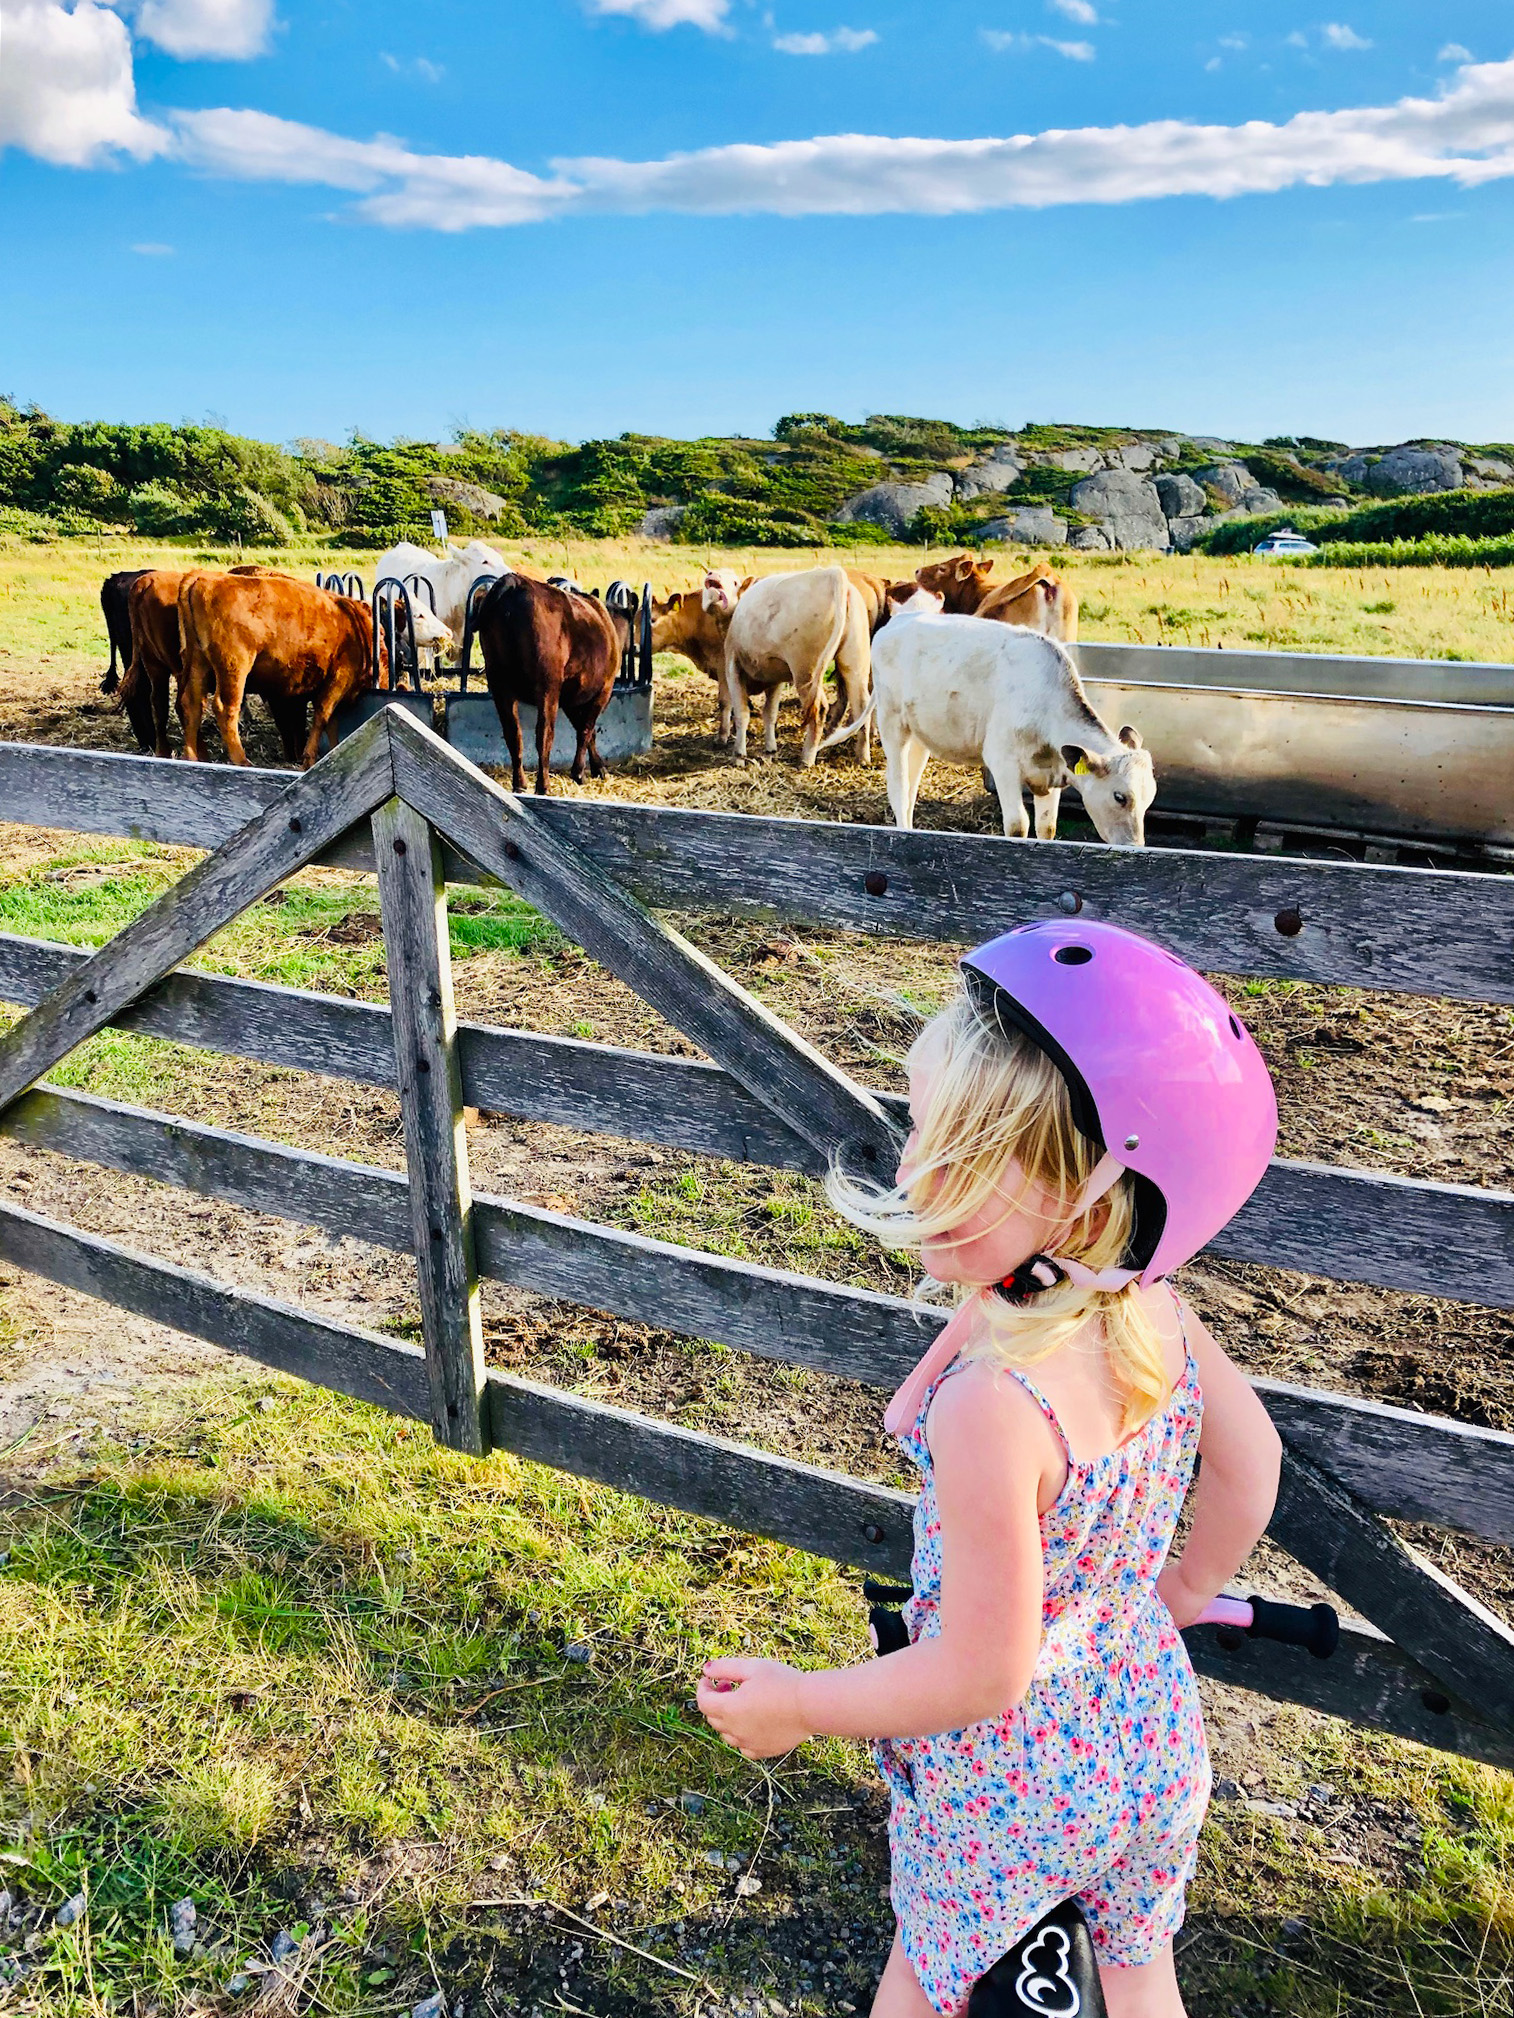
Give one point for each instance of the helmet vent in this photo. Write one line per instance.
(1073, 956)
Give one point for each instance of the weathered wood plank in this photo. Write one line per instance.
(1401, 1464)
(824, 1512)
(1459, 1478)
(498, 831)
(1347, 1225)
(383, 1371)
(1454, 1638)
(1417, 931)
(413, 898)
(1414, 931)
(304, 819)
(1367, 1681)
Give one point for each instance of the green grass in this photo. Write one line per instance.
(247, 1661)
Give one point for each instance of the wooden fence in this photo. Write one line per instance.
(1426, 1661)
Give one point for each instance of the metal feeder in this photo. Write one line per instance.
(472, 722)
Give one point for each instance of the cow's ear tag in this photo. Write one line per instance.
(1080, 768)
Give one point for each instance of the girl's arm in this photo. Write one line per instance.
(990, 1448)
(1237, 1483)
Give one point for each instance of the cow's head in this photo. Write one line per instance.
(721, 591)
(908, 599)
(1117, 788)
(429, 628)
(961, 582)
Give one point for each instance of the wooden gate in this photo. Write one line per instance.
(1426, 1660)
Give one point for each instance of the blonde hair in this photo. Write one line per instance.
(995, 1098)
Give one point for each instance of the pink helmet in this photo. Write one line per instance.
(1162, 1074)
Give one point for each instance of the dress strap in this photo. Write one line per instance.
(1018, 1374)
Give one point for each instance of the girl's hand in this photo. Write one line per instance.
(754, 1705)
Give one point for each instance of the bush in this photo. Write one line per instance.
(1239, 536)
(243, 515)
(1436, 550)
(158, 510)
(80, 487)
(717, 520)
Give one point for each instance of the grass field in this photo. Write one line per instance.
(402, 1725)
(49, 606)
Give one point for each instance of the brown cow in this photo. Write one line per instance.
(694, 624)
(279, 636)
(156, 660)
(1037, 600)
(877, 597)
(554, 649)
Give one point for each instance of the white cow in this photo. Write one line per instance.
(789, 628)
(993, 694)
(450, 576)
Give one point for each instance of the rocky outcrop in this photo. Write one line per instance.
(468, 497)
(1030, 526)
(1185, 529)
(662, 522)
(1181, 497)
(990, 474)
(1090, 540)
(1071, 458)
(1126, 506)
(1231, 480)
(895, 505)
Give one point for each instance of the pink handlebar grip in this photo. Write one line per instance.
(1226, 1612)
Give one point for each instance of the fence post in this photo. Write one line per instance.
(412, 893)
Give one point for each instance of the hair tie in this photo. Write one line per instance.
(1029, 1279)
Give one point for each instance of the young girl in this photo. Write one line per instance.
(1087, 1115)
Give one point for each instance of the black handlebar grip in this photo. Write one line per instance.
(1313, 1626)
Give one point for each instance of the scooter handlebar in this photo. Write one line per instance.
(1314, 1627)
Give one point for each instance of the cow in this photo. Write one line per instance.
(156, 661)
(694, 624)
(790, 628)
(450, 578)
(113, 593)
(997, 695)
(279, 637)
(556, 650)
(875, 592)
(1038, 600)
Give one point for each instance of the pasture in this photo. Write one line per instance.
(426, 1718)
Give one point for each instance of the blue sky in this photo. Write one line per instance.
(588, 215)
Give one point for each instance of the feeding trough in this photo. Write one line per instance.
(1411, 747)
(394, 632)
(625, 728)
(340, 584)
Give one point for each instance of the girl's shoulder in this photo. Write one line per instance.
(980, 1405)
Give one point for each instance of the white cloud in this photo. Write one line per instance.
(1453, 53)
(420, 66)
(660, 14)
(1297, 40)
(66, 87)
(1004, 39)
(1337, 35)
(1235, 41)
(1081, 11)
(226, 28)
(151, 251)
(850, 39)
(1213, 63)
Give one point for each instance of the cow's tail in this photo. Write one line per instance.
(848, 729)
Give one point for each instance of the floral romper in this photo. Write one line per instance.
(1094, 1785)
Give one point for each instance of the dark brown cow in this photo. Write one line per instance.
(113, 594)
(280, 637)
(553, 649)
(156, 662)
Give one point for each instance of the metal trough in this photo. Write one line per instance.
(471, 721)
(1412, 747)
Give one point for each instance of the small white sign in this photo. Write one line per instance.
(439, 526)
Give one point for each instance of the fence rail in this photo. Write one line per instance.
(395, 799)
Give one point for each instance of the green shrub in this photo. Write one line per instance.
(158, 510)
(717, 520)
(81, 487)
(1436, 550)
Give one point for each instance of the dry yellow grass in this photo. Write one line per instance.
(49, 607)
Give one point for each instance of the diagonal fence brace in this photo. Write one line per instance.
(1438, 1624)
(498, 832)
(299, 825)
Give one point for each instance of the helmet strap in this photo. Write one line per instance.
(1045, 1271)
